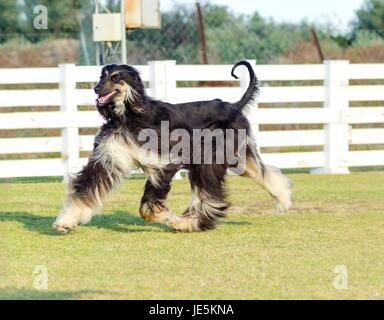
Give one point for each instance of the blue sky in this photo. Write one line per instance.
(339, 12)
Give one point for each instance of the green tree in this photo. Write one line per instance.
(370, 17)
(62, 17)
(9, 18)
(231, 37)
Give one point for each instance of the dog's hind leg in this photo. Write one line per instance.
(88, 189)
(208, 203)
(271, 178)
(153, 203)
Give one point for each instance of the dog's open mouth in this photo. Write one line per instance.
(103, 100)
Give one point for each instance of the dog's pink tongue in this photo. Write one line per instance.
(103, 99)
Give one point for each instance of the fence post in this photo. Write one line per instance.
(70, 135)
(162, 83)
(250, 112)
(162, 80)
(336, 134)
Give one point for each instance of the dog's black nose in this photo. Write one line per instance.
(97, 89)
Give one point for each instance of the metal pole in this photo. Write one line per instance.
(124, 35)
(82, 38)
(97, 43)
(317, 44)
(203, 48)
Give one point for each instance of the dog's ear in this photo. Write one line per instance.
(134, 74)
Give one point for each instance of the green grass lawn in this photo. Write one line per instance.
(254, 254)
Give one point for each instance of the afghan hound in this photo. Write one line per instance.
(206, 138)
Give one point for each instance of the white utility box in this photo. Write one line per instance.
(107, 27)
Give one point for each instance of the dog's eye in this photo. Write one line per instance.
(115, 78)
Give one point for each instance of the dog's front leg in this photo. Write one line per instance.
(153, 207)
(106, 168)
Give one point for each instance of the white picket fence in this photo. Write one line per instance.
(336, 114)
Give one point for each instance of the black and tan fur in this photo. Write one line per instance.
(127, 111)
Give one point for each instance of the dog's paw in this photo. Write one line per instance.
(283, 207)
(183, 224)
(62, 228)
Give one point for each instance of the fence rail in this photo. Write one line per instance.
(332, 90)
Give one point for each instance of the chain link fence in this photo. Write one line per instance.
(229, 37)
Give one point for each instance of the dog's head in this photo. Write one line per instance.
(119, 87)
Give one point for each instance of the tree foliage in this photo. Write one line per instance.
(62, 17)
(370, 17)
(9, 17)
(229, 36)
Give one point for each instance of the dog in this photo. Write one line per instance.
(119, 147)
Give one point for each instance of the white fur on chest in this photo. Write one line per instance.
(125, 153)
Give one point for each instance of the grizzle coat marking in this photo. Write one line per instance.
(127, 111)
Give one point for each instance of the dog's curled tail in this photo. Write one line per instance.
(252, 91)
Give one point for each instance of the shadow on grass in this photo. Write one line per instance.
(119, 222)
(28, 294)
